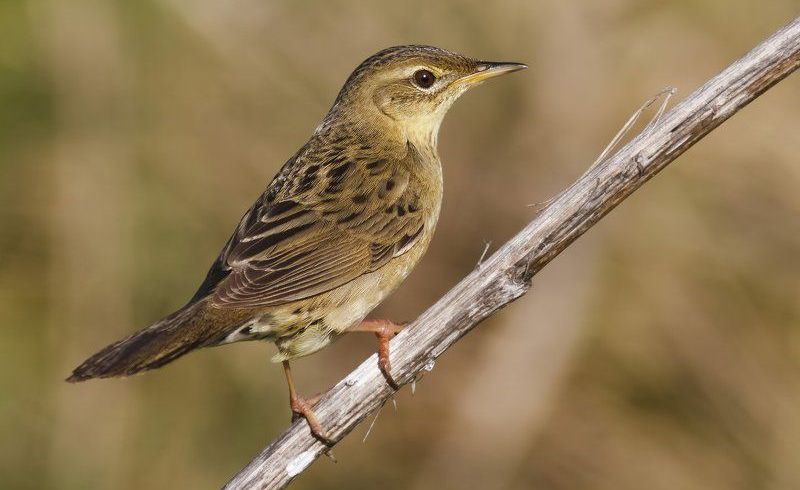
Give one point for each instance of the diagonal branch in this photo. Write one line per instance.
(507, 274)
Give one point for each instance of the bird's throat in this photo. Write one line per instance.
(423, 131)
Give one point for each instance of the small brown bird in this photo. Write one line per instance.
(336, 231)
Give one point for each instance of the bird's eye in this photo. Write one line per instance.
(424, 78)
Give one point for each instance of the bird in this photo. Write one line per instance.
(337, 230)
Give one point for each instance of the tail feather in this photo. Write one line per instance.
(163, 342)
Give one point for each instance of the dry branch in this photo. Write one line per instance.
(507, 274)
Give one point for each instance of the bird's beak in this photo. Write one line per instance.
(490, 69)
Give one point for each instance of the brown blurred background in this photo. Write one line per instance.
(661, 351)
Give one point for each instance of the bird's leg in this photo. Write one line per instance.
(302, 408)
(384, 330)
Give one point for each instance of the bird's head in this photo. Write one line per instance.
(414, 86)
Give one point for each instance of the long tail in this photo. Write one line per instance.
(163, 342)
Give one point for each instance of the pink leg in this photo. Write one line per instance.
(302, 408)
(384, 330)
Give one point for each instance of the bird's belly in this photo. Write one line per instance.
(329, 315)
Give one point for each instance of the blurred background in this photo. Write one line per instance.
(661, 351)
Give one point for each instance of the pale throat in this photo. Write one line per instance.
(423, 131)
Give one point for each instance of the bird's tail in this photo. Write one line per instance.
(163, 342)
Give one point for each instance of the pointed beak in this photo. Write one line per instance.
(490, 69)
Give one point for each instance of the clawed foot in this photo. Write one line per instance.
(302, 408)
(384, 330)
(383, 357)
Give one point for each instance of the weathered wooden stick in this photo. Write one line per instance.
(507, 274)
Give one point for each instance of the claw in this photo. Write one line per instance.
(384, 330)
(302, 408)
(384, 336)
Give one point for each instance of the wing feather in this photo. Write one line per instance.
(324, 221)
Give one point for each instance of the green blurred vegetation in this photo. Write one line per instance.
(661, 351)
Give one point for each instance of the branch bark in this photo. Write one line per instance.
(507, 274)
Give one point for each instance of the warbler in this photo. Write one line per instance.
(336, 231)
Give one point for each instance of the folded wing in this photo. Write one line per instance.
(325, 225)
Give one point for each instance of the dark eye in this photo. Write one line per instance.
(424, 78)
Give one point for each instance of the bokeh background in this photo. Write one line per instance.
(661, 351)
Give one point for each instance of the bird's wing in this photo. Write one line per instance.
(326, 224)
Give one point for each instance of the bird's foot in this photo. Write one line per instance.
(384, 330)
(302, 408)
